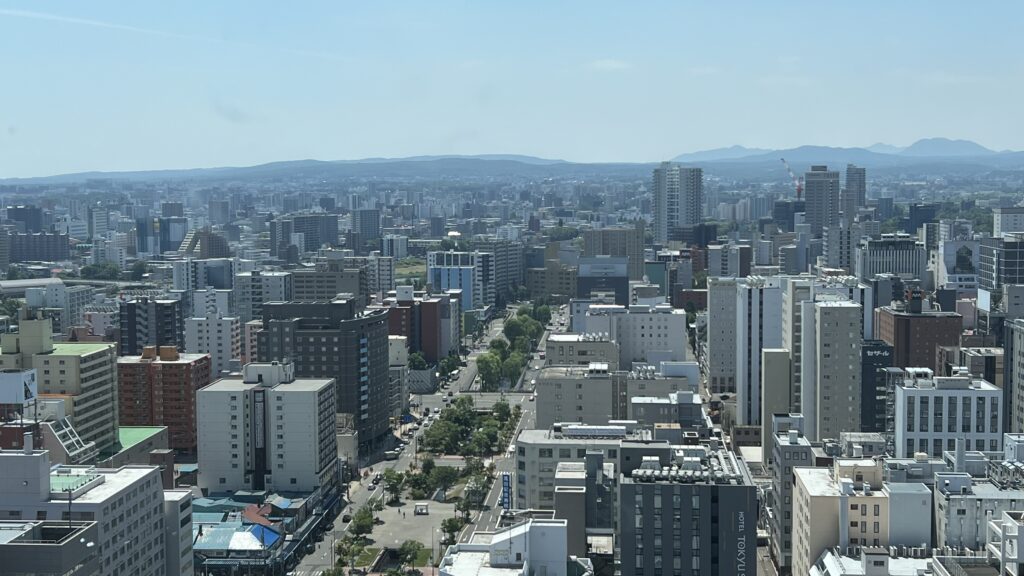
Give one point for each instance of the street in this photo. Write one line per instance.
(398, 527)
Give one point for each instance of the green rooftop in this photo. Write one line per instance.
(129, 436)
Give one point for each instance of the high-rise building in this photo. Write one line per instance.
(834, 369)
(328, 280)
(268, 429)
(604, 274)
(915, 334)
(790, 448)
(252, 289)
(159, 388)
(758, 326)
(1001, 261)
(854, 195)
(126, 504)
(898, 254)
(395, 246)
(83, 372)
(721, 341)
(314, 230)
(729, 260)
(172, 209)
(40, 247)
(821, 197)
(672, 521)
(204, 243)
(508, 266)
(622, 241)
(219, 211)
(29, 218)
(331, 340)
(218, 336)
(196, 274)
(145, 322)
(431, 323)
(678, 199)
(471, 272)
(366, 223)
(1004, 219)
(876, 357)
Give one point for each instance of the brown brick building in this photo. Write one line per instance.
(159, 388)
(915, 335)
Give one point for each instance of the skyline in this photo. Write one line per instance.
(116, 89)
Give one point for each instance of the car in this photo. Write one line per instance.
(533, 398)
(346, 518)
(450, 393)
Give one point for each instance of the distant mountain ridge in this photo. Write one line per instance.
(877, 154)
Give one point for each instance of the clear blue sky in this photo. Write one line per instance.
(139, 85)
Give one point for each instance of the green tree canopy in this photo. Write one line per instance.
(489, 367)
(417, 361)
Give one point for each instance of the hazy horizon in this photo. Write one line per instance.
(107, 87)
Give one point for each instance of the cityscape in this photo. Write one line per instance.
(222, 357)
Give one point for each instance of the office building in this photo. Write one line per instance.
(307, 232)
(790, 449)
(29, 218)
(210, 301)
(898, 254)
(366, 223)
(915, 334)
(254, 288)
(625, 242)
(331, 340)
(931, 412)
(219, 273)
(39, 247)
(821, 197)
(854, 194)
(570, 349)
(595, 395)
(395, 246)
(721, 342)
(471, 272)
(696, 516)
(268, 430)
(1004, 219)
(538, 453)
(218, 336)
(758, 326)
(604, 274)
(850, 505)
(966, 507)
(508, 257)
(83, 373)
(204, 243)
(840, 245)
(49, 547)
(219, 211)
(159, 388)
(328, 280)
(146, 322)
(831, 365)
(644, 334)
(729, 260)
(876, 357)
(1001, 261)
(432, 323)
(554, 280)
(126, 504)
(678, 194)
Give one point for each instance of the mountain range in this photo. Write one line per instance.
(924, 157)
(874, 154)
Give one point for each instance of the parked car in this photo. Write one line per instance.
(346, 518)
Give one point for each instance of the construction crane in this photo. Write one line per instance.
(798, 182)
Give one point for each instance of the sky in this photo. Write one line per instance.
(149, 85)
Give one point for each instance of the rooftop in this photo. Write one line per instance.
(129, 436)
(80, 348)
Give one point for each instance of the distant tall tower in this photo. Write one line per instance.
(821, 194)
(854, 194)
(678, 198)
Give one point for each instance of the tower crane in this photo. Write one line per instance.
(798, 182)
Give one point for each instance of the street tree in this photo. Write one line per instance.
(489, 367)
(501, 411)
(393, 483)
(409, 551)
(362, 522)
(451, 527)
(444, 477)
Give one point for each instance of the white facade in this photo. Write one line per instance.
(396, 246)
(267, 430)
(539, 451)
(210, 301)
(898, 254)
(534, 547)
(1008, 219)
(126, 503)
(758, 326)
(932, 412)
(678, 198)
(834, 369)
(217, 336)
(178, 532)
(644, 334)
(380, 273)
(252, 289)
